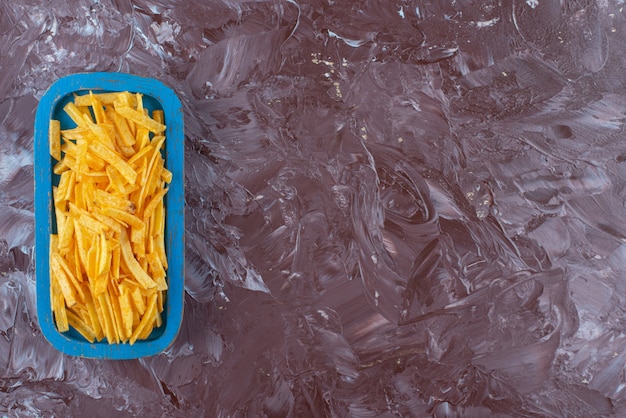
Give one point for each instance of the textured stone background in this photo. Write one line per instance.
(394, 208)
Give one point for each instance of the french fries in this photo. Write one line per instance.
(107, 260)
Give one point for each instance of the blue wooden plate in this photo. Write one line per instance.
(156, 96)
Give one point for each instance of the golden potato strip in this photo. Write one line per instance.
(113, 224)
(160, 300)
(78, 265)
(71, 258)
(104, 261)
(157, 270)
(54, 244)
(58, 308)
(140, 119)
(143, 153)
(58, 275)
(159, 248)
(69, 148)
(117, 314)
(94, 163)
(115, 160)
(97, 287)
(65, 189)
(143, 138)
(66, 235)
(92, 314)
(102, 132)
(123, 216)
(104, 98)
(107, 199)
(139, 249)
(157, 221)
(121, 126)
(63, 166)
(79, 325)
(157, 199)
(82, 243)
(124, 99)
(81, 158)
(96, 177)
(115, 262)
(55, 139)
(69, 273)
(138, 301)
(166, 175)
(118, 183)
(158, 116)
(126, 309)
(75, 114)
(74, 134)
(98, 109)
(139, 99)
(156, 319)
(147, 318)
(104, 304)
(137, 234)
(133, 266)
(85, 99)
(149, 176)
(94, 225)
(59, 213)
(86, 113)
(57, 300)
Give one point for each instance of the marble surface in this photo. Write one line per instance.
(393, 208)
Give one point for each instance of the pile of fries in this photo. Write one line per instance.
(107, 260)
